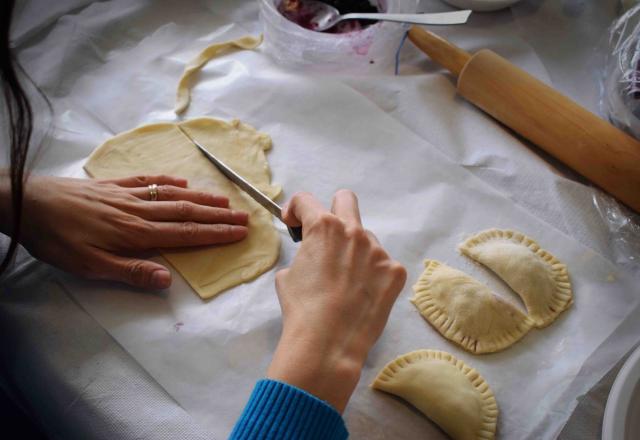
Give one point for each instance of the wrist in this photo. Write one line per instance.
(315, 366)
(27, 207)
(6, 203)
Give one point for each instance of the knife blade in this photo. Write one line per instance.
(265, 201)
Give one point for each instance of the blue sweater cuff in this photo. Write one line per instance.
(277, 410)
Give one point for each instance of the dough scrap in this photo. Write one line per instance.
(541, 280)
(445, 389)
(163, 149)
(465, 311)
(183, 95)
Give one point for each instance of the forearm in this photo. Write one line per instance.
(5, 202)
(278, 410)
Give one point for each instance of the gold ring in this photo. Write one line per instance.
(153, 192)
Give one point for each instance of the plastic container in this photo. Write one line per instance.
(369, 50)
(621, 415)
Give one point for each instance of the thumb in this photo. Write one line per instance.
(135, 272)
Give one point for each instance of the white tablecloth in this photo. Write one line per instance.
(95, 384)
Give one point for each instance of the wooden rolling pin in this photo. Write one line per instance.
(594, 148)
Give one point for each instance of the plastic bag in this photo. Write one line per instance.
(367, 51)
(620, 103)
(628, 4)
(621, 80)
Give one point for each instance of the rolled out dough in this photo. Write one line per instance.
(163, 149)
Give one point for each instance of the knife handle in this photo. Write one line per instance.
(295, 232)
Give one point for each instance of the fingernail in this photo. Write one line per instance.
(161, 279)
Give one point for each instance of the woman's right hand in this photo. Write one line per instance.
(335, 298)
(99, 228)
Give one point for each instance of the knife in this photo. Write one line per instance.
(294, 231)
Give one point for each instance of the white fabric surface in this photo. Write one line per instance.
(130, 48)
(68, 373)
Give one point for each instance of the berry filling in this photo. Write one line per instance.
(297, 12)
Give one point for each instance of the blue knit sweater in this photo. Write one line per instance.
(280, 411)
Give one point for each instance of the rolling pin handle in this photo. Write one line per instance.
(440, 50)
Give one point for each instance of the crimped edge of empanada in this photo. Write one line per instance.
(446, 325)
(562, 297)
(489, 404)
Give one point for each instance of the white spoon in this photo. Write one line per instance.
(324, 16)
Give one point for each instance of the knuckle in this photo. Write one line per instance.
(142, 180)
(184, 209)
(357, 233)
(223, 230)
(136, 235)
(146, 228)
(203, 195)
(300, 195)
(140, 227)
(328, 221)
(133, 224)
(297, 197)
(378, 253)
(398, 270)
(129, 198)
(134, 272)
(189, 230)
(166, 192)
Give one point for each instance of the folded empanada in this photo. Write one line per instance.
(446, 390)
(540, 279)
(465, 311)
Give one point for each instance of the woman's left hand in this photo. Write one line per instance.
(97, 229)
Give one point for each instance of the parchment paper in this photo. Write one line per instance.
(327, 135)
